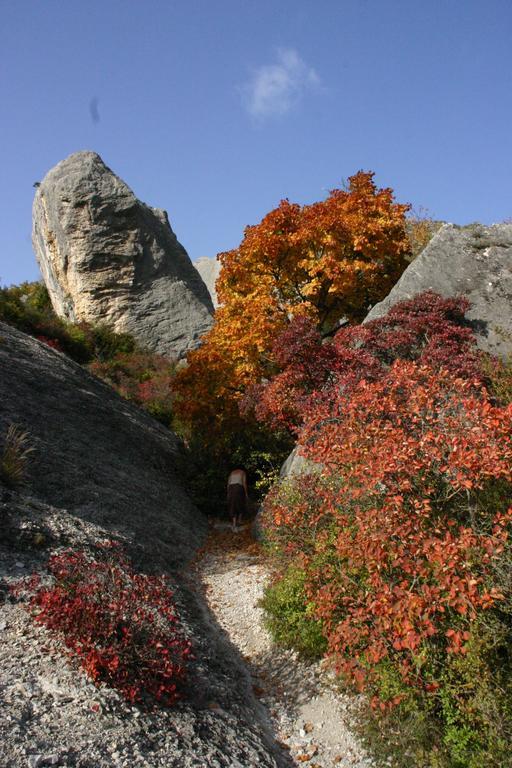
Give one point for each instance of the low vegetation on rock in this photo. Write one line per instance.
(15, 455)
(142, 377)
(29, 309)
(421, 228)
(122, 626)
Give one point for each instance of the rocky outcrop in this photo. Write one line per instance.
(108, 258)
(475, 261)
(103, 469)
(96, 455)
(209, 269)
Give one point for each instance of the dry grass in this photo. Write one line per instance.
(15, 455)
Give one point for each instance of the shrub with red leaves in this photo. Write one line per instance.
(428, 328)
(412, 512)
(53, 343)
(305, 364)
(122, 626)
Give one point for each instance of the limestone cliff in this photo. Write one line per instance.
(209, 269)
(108, 258)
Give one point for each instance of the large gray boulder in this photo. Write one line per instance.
(209, 269)
(106, 257)
(475, 261)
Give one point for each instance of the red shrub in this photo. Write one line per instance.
(411, 514)
(305, 364)
(428, 328)
(53, 343)
(121, 625)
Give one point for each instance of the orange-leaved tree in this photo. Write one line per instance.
(324, 261)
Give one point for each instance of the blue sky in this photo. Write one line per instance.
(217, 109)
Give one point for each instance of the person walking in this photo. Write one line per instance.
(237, 495)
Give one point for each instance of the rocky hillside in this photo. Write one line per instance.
(103, 469)
(106, 257)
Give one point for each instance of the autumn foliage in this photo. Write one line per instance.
(122, 626)
(324, 261)
(401, 530)
(409, 517)
(429, 329)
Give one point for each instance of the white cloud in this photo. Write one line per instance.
(275, 89)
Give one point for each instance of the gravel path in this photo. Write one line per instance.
(310, 718)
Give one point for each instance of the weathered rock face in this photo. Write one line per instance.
(96, 455)
(104, 469)
(108, 258)
(475, 261)
(209, 269)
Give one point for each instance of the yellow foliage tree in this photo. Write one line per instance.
(328, 260)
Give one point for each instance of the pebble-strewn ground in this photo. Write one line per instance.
(52, 715)
(310, 718)
(248, 703)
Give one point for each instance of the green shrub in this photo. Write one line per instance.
(466, 723)
(142, 377)
(104, 343)
(28, 307)
(289, 615)
(499, 373)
